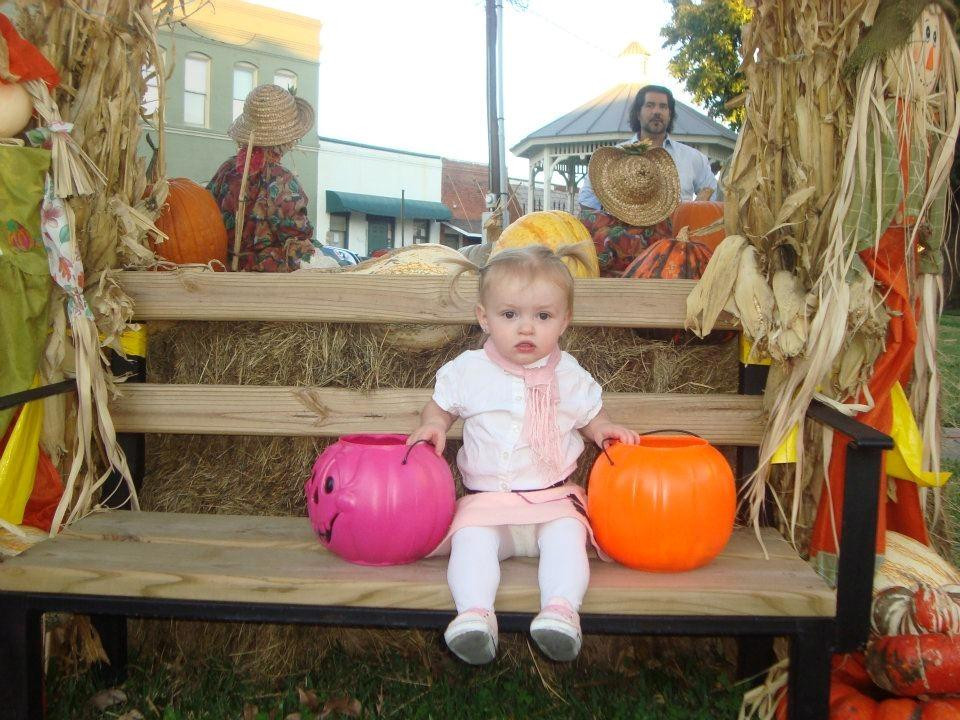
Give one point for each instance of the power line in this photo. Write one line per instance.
(569, 32)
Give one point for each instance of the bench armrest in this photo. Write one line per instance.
(858, 526)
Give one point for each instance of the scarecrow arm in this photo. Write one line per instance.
(858, 527)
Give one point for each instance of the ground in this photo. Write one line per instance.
(519, 684)
(394, 686)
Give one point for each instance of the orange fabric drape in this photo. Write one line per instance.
(904, 515)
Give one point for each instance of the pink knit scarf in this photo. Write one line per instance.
(540, 419)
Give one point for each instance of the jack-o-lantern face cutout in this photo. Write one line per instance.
(914, 69)
(373, 500)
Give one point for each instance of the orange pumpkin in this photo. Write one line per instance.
(910, 665)
(192, 221)
(697, 214)
(676, 258)
(666, 504)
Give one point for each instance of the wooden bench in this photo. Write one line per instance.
(272, 569)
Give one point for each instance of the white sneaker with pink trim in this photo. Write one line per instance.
(556, 630)
(472, 636)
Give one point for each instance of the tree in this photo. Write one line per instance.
(706, 37)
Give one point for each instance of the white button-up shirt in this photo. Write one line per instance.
(693, 167)
(495, 456)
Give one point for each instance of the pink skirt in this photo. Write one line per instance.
(534, 507)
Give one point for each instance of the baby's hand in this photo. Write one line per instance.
(432, 433)
(611, 431)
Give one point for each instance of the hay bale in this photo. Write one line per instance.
(265, 475)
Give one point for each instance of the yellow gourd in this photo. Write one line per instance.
(552, 228)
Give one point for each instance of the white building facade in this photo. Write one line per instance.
(366, 189)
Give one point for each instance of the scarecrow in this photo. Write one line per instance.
(837, 194)
(896, 224)
(272, 232)
(639, 188)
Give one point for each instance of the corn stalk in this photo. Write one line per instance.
(101, 49)
(791, 272)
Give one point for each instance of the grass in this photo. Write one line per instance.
(397, 686)
(949, 362)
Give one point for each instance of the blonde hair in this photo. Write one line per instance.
(531, 261)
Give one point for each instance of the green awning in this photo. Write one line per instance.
(338, 202)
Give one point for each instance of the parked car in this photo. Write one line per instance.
(344, 257)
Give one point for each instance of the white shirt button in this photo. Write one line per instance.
(504, 455)
(504, 486)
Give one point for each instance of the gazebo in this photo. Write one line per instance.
(565, 145)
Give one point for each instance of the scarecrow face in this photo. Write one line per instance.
(914, 69)
(925, 46)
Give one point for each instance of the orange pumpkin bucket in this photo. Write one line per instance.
(666, 504)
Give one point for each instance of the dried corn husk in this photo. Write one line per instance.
(760, 702)
(100, 49)
(790, 333)
(715, 290)
(809, 143)
(754, 297)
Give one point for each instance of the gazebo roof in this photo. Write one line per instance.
(606, 117)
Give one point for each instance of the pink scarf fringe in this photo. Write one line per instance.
(540, 419)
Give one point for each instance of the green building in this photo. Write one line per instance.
(214, 56)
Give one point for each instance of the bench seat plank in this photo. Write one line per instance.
(723, 419)
(352, 298)
(277, 560)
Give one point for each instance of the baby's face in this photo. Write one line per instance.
(524, 318)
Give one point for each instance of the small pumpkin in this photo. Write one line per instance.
(940, 709)
(911, 665)
(695, 215)
(897, 709)
(666, 504)
(678, 258)
(552, 228)
(193, 224)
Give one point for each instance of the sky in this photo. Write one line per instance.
(411, 75)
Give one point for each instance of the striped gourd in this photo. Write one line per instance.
(676, 258)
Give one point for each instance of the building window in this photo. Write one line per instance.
(286, 79)
(339, 224)
(151, 95)
(244, 80)
(196, 89)
(421, 231)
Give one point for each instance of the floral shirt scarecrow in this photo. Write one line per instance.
(618, 244)
(276, 229)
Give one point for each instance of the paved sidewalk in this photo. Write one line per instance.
(950, 444)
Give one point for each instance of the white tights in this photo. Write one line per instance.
(475, 554)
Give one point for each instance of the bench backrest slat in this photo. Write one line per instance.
(352, 298)
(257, 410)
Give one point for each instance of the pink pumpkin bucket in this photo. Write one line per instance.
(374, 501)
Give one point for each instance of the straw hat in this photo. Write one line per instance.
(635, 183)
(274, 115)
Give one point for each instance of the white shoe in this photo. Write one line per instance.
(556, 630)
(472, 636)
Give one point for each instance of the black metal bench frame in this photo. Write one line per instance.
(812, 639)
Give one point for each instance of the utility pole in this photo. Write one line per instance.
(497, 173)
